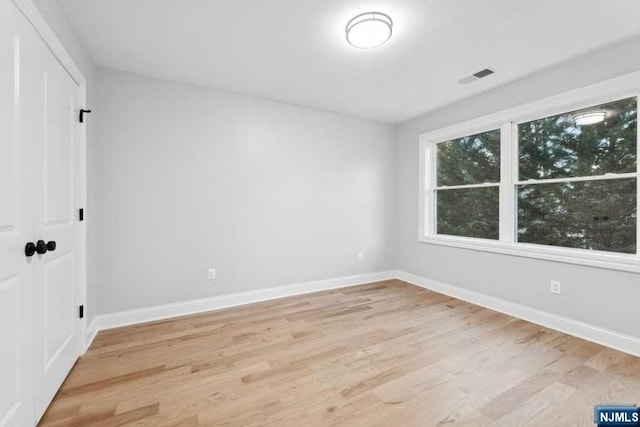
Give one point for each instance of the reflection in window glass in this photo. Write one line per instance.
(599, 215)
(470, 212)
(473, 159)
(558, 147)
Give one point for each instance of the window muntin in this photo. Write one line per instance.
(556, 147)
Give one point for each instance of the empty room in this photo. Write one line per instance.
(319, 213)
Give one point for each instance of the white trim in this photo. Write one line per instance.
(92, 331)
(590, 258)
(425, 186)
(33, 15)
(586, 331)
(166, 311)
(457, 187)
(82, 173)
(626, 86)
(506, 199)
(589, 332)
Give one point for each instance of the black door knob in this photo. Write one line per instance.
(51, 245)
(41, 247)
(30, 249)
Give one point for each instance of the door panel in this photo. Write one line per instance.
(9, 45)
(58, 146)
(10, 399)
(54, 198)
(17, 289)
(58, 303)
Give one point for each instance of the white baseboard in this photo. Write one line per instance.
(586, 331)
(166, 311)
(92, 331)
(589, 332)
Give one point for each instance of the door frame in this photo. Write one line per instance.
(35, 18)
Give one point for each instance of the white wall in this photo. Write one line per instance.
(52, 12)
(182, 178)
(601, 297)
(269, 194)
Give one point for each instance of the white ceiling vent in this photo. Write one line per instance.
(476, 76)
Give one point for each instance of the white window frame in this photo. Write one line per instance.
(507, 121)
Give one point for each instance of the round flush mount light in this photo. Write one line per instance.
(589, 118)
(369, 30)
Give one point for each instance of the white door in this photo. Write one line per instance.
(56, 225)
(16, 219)
(39, 191)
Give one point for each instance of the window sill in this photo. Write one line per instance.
(597, 259)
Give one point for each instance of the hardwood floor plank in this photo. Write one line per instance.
(381, 354)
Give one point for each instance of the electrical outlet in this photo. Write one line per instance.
(212, 273)
(556, 287)
(360, 256)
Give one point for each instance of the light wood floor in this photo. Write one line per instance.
(381, 354)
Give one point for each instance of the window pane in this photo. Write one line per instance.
(470, 212)
(556, 147)
(599, 215)
(473, 159)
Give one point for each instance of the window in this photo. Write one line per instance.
(577, 184)
(561, 186)
(468, 180)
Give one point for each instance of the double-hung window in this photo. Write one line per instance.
(577, 184)
(562, 185)
(467, 192)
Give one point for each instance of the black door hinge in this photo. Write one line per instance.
(81, 214)
(82, 113)
(81, 311)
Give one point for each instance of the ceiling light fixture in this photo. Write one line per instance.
(369, 30)
(589, 118)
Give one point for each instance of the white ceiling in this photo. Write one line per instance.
(295, 51)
